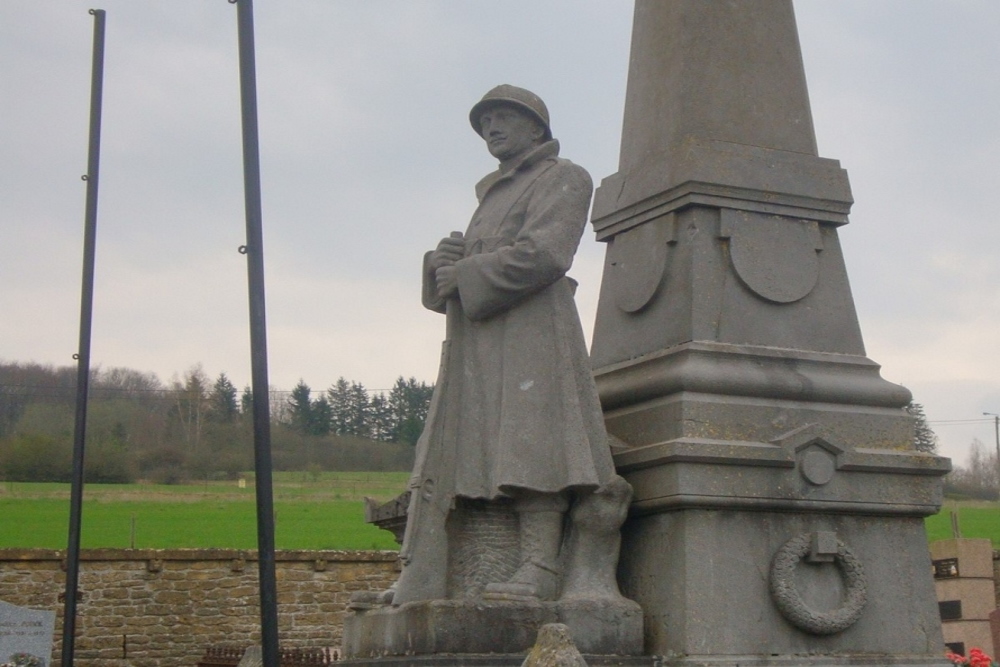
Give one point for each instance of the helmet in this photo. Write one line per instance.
(525, 100)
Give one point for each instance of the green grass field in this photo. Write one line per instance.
(975, 519)
(322, 511)
(313, 511)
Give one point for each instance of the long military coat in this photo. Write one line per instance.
(516, 387)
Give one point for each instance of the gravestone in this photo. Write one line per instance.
(779, 504)
(26, 636)
(252, 657)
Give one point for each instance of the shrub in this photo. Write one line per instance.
(33, 457)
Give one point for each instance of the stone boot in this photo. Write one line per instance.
(538, 574)
(594, 540)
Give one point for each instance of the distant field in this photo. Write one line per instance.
(975, 519)
(313, 511)
(322, 511)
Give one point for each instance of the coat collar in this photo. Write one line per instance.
(546, 151)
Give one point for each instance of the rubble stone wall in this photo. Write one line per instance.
(162, 608)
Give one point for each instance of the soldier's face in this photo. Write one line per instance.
(509, 132)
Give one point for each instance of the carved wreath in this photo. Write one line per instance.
(790, 603)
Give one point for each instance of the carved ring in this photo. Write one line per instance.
(790, 603)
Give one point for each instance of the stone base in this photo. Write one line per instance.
(656, 661)
(493, 660)
(720, 584)
(468, 627)
(861, 660)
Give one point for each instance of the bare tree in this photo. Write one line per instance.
(191, 404)
(978, 478)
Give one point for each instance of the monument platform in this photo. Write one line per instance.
(462, 629)
(494, 660)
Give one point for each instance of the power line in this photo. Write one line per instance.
(53, 390)
(960, 421)
(42, 394)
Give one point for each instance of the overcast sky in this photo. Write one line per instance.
(367, 159)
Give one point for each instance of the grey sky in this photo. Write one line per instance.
(368, 158)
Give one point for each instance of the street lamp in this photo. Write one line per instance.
(996, 430)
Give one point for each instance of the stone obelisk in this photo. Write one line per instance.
(779, 505)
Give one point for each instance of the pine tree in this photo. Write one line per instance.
(246, 401)
(339, 398)
(321, 417)
(359, 411)
(924, 438)
(380, 417)
(408, 403)
(222, 400)
(300, 408)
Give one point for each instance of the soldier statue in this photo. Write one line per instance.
(515, 418)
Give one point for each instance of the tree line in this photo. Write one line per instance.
(347, 408)
(978, 479)
(140, 428)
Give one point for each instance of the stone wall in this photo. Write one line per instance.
(161, 608)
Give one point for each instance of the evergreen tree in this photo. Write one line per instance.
(359, 403)
(246, 401)
(408, 403)
(222, 400)
(924, 438)
(321, 417)
(339, 398)
(300, 408)
(379, 417)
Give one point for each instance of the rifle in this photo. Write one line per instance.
(425, 543)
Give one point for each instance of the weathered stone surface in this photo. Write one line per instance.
(491, 626)
(777, 516)
(496, 660)
(743, 212)
(695, 571)
(554, 648)
(119, 623)
(995, 629)
(514, 420)
(515, 437)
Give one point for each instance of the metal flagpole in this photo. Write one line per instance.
(254, 250)
(83, 351)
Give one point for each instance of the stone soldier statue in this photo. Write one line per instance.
(515, 418)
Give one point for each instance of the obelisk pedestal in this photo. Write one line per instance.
(778, 515)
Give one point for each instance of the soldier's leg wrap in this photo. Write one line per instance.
(540, 520)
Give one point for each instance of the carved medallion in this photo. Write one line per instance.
(638, 260)
(775, 257)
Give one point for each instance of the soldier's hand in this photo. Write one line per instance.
(449, 250)
(446, 280)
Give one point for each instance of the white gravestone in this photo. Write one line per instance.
(25, 636)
